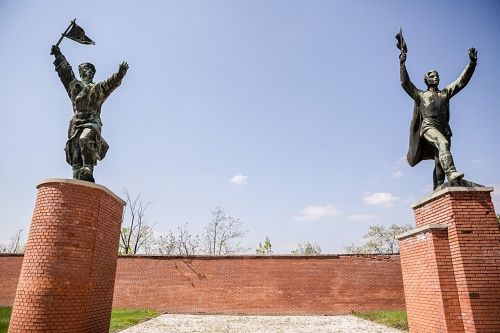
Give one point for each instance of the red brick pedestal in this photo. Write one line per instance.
(68, 272)
(451, 263)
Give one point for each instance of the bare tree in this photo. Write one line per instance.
(307, 249)
(184, 243)
(15, 245)
(187, 244)
(223, 234)
(136, 235)
(167, 244)
(380, 240)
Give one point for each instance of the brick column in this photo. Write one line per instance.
(451, 263)
(68, 272)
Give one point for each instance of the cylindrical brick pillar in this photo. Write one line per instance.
(68, 272)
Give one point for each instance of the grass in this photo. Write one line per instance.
(123, 318)
(4, 319)
(391, 318)
(120, 318)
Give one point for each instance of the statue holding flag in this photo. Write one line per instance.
(85, 144)
(430, 132)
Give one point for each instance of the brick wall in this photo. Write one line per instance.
(10, 268)
(260, 285)
(326, 284)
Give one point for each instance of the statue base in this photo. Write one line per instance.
(68, 272)
(451, 263)
(457, 183)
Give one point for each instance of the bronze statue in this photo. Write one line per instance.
(85, 144)
(430, 132)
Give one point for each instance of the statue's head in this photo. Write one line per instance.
(87, 71)
(431, 78)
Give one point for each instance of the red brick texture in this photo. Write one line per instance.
(68, 272)
(10, 268)
(260, 285)
(326, 284)
(452, 276)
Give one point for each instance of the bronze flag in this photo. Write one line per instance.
(401, 44)
(77, 34)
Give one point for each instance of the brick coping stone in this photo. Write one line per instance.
(440, 193)
(81, 183)
(422, 229)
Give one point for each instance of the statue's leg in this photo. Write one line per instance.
(438, 174)
(76, 158)
(87, 142)
(435, 138)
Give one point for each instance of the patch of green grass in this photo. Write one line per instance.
(123, 318)
(5, 313)
(120, 318)
(391, 318)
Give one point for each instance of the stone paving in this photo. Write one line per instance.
(176, 323)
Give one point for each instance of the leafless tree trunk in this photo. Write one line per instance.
(183, 244)
(136, 235)
(15, 245)
(222, 234)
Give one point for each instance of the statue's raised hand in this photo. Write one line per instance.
(402, 58)
(473, 54)
(123, 68)
(55, 50)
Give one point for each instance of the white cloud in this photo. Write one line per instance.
(382, 199)
(397, 174)
(478, 161)
(312, 213)
(239, 179)
(361, 217)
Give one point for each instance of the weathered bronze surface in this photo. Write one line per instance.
(430, 132)
(85, 144)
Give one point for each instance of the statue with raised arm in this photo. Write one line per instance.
(85, 145)
(430, 132)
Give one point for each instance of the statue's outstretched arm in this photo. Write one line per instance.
(107, 86)
(464, 78)
(63, 68)
(406, 83)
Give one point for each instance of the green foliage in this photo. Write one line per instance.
(391, 318)
(123, 318)
(266, 248)
(120, 318)
(307, 249)
(5, 313)
(380, 240)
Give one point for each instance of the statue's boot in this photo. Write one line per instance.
(88, 158)
(449, 167)
(87, 174)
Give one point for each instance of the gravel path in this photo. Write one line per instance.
(176, 323)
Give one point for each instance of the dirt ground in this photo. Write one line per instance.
(176, 323)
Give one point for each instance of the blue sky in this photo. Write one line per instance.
(301, 99)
